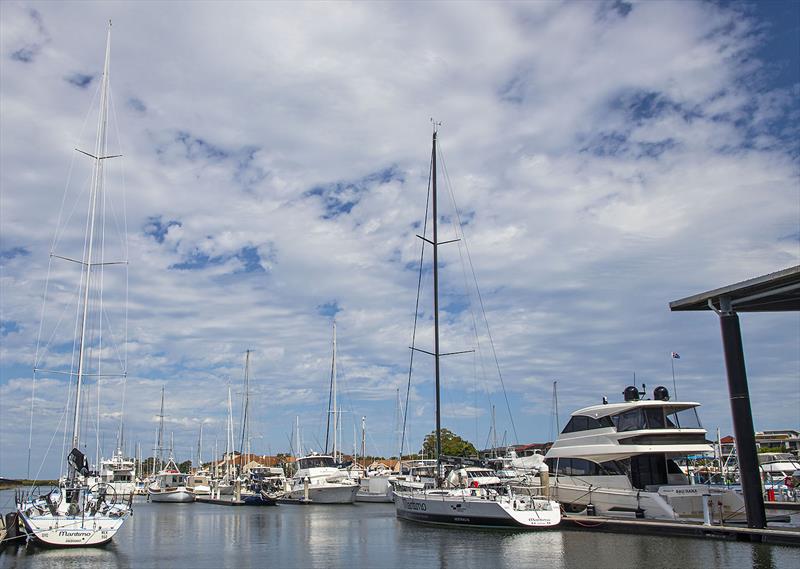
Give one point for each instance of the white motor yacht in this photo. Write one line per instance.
(776, 467)
(620, 458)
(200, 482)
(119, 473)
(319, 481)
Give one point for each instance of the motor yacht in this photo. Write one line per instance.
(620, 459)
(319, 481)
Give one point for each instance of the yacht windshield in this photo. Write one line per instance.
(316, 462)
(656, 418)
(480, 473)
(684, 419)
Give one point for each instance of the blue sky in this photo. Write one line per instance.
(606, 158)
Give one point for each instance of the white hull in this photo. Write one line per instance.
(201, 490)
(327, 494)
(463, 509)
(73, 531)
(171, 496)
(669, 503)
(374, 498)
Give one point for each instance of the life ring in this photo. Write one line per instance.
(474, 484)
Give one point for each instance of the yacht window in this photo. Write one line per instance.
(632, 420)
(612, 467)
(583, 423)
(654, 417)
(479, 473)
(673, 468)
(684, 419)
(316, 462)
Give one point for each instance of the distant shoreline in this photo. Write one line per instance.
(8, 483)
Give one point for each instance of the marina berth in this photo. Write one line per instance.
(621, 459)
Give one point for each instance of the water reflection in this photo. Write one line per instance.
(370, 536)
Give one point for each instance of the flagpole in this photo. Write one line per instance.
(674, 385)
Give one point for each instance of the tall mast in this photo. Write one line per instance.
(245, 443)
(229, 439)
(364, 441)
(436, 315)
(96, 188)
(335, 409)
(160, 447)
(200, 447)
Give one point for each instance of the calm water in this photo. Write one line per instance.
(369, 536)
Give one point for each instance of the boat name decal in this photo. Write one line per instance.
(414, 505)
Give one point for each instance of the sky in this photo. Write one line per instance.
(598, 160)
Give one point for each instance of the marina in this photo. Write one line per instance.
(260, 250)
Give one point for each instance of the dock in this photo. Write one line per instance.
(776, 536)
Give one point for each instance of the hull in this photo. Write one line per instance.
(327, 494)
(375, 489)
(179, 495)
(374, 498)
(476, 511)
(72, 531)
(669, 503)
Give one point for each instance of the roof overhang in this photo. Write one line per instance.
(775, 292)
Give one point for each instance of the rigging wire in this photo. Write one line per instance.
(480, 297)
(416, 311)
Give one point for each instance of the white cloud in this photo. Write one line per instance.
(605, 163)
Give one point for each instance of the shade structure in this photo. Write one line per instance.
(775, 292)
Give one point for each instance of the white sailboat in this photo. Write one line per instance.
(169, 484)
(475, 506)
(78, 514)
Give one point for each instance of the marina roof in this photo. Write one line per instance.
(775, 292)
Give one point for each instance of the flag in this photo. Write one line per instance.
(676, 355)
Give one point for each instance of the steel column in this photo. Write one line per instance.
(742, 417)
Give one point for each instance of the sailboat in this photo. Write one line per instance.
(169, 484)
(470, 504)
(76, 513)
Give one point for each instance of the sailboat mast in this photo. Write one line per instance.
(364, 441)
(96, 188)
(160, 447)
(245, 443)
(229, 439)
(335, 408)
(436, 315)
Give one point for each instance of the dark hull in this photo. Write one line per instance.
(461, 520)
